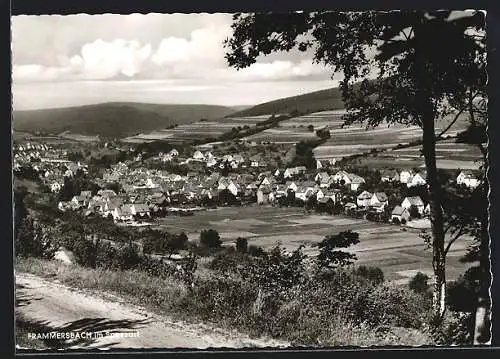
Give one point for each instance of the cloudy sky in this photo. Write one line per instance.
(159, 58)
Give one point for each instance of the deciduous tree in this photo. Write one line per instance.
(395, 68)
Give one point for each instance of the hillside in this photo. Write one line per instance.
(322, 100)
(113, 119)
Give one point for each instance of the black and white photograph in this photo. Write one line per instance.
(250, 180)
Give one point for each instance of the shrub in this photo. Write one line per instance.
(228, 261)
(373, 274)
(462, 293)
(256, 251)
(242, 245)
(106, 256)
(403, 221)
(210, 238)
(455, 329)
(128, 256)
(393, 306)
(33, 240)
(418, 283)
(85, 252)
(221, 298)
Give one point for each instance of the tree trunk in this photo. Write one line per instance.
(482, 328)
(436, 213)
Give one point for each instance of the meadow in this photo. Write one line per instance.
(449, 155)
(399, 252)
(197, 130)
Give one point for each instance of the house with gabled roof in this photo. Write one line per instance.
(364, 199)
(79, 201)
(304, 192)
(319, 194)
(157, 199)
(140, 209)
(427, 210)
(349, 207)
(55, 186)
(291, 186)
(208, 193)
(281, 191)
(415, 201)
(399, 213)
(326, 182)
(253, 186)
(334, 194)
(106, 193)
(86, 194)
(238, 158)
(419, 179)
(223, 183)
(198, 155)
(405, 176)
(265, 195)
(341, 176)
(468, 178)
(379, 201)
(255, 161)
(320, 176)
(356, 181)
(389, 176)
(173, 152)
(123, 213)
(235, 189)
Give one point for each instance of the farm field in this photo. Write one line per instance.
(197, 130)
(449, 155)
(395, 251)
(80, 138)
(356, 139)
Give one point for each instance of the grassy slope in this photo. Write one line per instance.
(164, 297)
(114, 119)
(329, 99)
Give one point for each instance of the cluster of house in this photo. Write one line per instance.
(409, 177)
(51, 164)
(32, 152)
(211, 161)
(108, 203)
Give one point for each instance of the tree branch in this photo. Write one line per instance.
(446, 229)
(459, 233)
(472, 97)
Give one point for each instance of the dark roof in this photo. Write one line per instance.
(398, 211)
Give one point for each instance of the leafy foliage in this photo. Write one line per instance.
(373, 274)
(418, 283)
(329, 254)
(210, 238)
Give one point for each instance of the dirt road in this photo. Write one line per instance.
(44, 306)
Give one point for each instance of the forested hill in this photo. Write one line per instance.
(114, 119)
(322, 100)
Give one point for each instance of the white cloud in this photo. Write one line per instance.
(203, 48)
(193, 49)
(103, 60)
(282, 70)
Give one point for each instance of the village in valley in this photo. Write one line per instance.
(237, 182)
